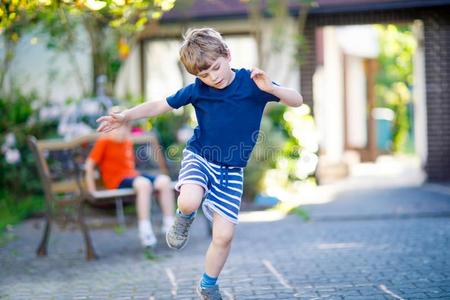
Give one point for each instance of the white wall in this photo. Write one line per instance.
(52, 76)
(282, 65)
(163, 77)
(331, 105)
(49, 73)
(358, 40)
(357, 43)
(356, 86)
(128, 82)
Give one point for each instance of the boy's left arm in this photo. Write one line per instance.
(287, 96)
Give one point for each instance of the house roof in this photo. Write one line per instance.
(226, 9)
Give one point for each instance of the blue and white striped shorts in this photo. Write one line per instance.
(223, 185)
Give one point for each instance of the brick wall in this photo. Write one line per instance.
(437, 68)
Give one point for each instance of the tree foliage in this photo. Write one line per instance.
(124, 15)
(395, 79)
(111, 25)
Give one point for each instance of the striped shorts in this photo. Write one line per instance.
(223, 185)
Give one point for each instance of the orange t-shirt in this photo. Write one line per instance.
(115, 160)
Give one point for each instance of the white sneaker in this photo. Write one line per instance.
(148, 240)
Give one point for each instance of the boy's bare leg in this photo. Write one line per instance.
(189, 201)
(143, 188)
(166, 195)
(219, 248)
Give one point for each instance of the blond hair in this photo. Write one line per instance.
(201, 47)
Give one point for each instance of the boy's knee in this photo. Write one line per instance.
(163, 182)
(186, 205)
(142, 184)
(190, 198)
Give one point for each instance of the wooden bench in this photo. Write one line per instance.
(60, 166)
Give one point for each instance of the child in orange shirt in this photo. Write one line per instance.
(113, 154)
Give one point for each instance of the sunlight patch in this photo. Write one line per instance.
(261, 216)
(340, 246)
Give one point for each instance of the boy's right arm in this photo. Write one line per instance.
(144, 110)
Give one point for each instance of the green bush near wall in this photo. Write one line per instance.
(21, 191)
(14, 209)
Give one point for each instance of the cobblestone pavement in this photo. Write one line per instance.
(368, 244)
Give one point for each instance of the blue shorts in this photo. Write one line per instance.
(223, 185)
(128, 181)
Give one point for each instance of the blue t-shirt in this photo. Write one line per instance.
(228, 119)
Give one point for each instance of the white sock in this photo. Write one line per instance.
(146, 233)
(168, 221)
(145, 228)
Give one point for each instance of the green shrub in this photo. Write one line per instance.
(394, 81)
(14, 209)
(288, 147)
(264, 157)
(19, 182)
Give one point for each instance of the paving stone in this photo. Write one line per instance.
(323, 259)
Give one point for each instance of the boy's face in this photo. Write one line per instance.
(219, 75)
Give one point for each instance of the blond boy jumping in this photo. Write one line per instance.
(229, 104)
